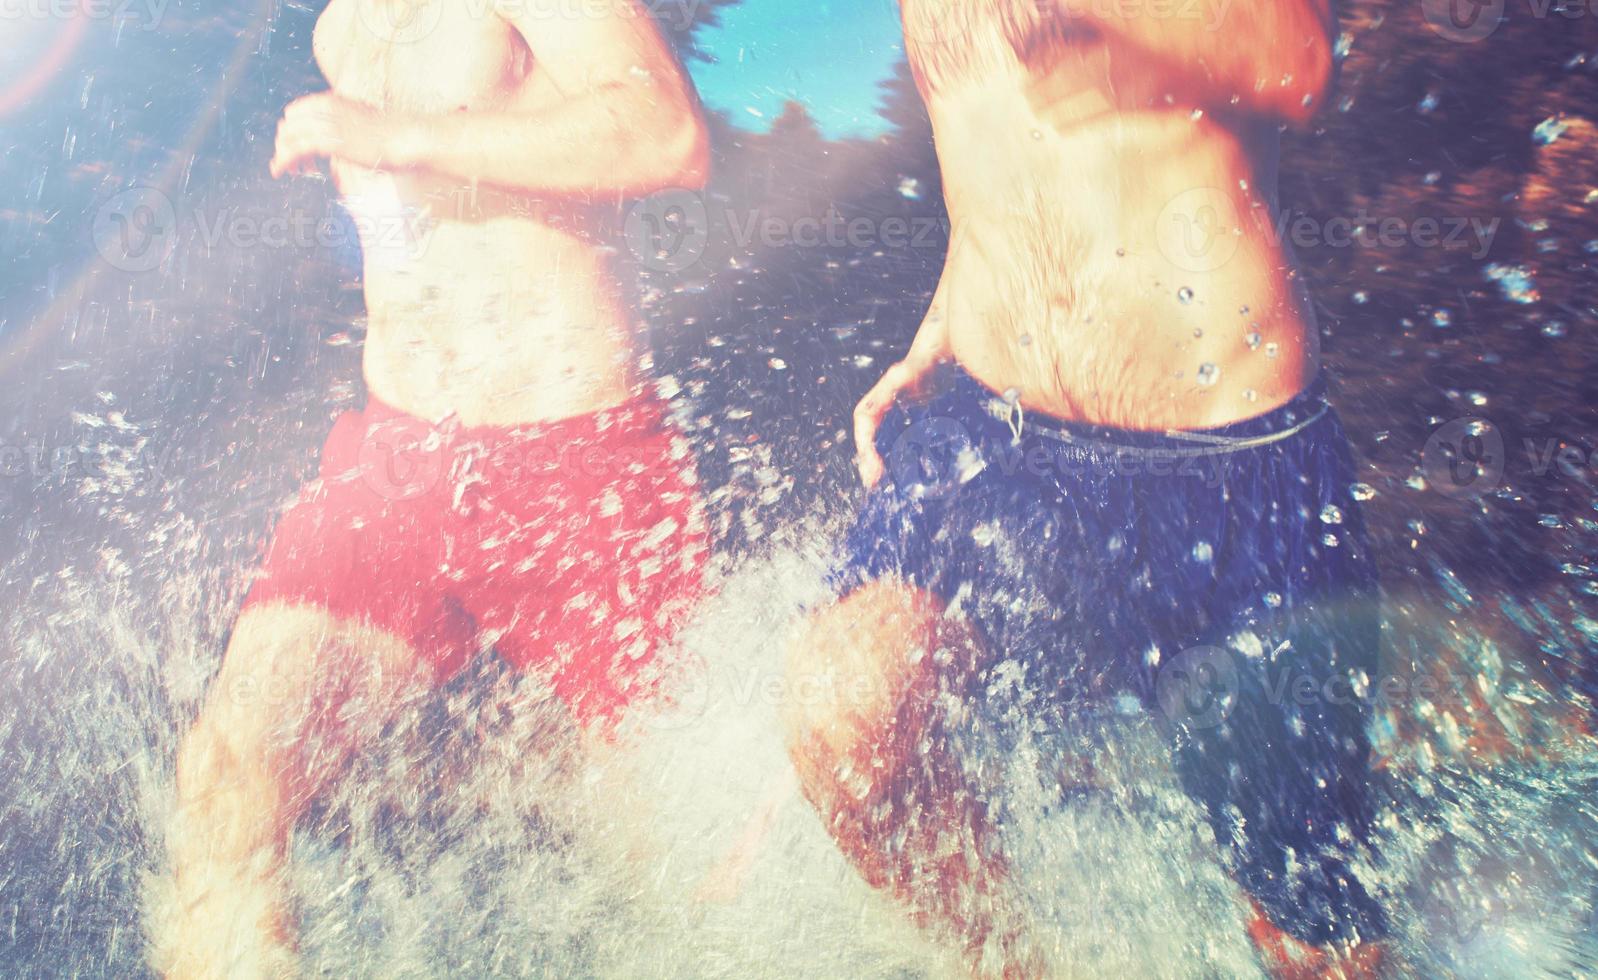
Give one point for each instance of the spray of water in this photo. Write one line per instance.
(482, 836)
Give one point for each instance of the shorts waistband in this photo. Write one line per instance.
(1304, 411)
(640, 412)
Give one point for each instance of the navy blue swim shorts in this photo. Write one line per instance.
(1219, 579)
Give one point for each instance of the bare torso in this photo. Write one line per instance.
(483, 303)
(1112, 259)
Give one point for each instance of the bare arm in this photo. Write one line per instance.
(629, 126)
(1274, 56)
(929, 349)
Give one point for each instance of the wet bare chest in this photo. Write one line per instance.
(959, 41)
(420, 55)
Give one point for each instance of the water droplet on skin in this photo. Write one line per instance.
(1120, 253)
(1208, 374)
(1331, 514)
(1037, 134)
(1197, 332)
(1330, 541)
(1250, 395)
(1362, 492)
(1253, 340)
(1203, 553)
(1273, 600)
(1271, 350)
(1185, 295)
(1243, 311)
(1026, 340)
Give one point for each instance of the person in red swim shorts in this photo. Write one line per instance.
(506, 485)
(573, 546)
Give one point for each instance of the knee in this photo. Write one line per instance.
(258, 706)
(850, 673)
(227, 749)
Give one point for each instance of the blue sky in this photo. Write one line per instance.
(830, 55)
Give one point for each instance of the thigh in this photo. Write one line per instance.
(593, 579)
(1275, 748)
(359, 555)
(300, 689)
(855, 663)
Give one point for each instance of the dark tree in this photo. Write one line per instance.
(683, 20)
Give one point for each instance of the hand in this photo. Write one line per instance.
(931, 348)
(320, 126)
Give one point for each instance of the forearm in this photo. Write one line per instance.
(589, 144)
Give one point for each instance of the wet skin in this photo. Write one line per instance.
(474, 144)
(1109, 171)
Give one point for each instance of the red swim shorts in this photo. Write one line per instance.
(573, 547)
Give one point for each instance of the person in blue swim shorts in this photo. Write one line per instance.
(1108, 458)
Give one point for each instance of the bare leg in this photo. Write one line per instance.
(864, 729)
(298, 692)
